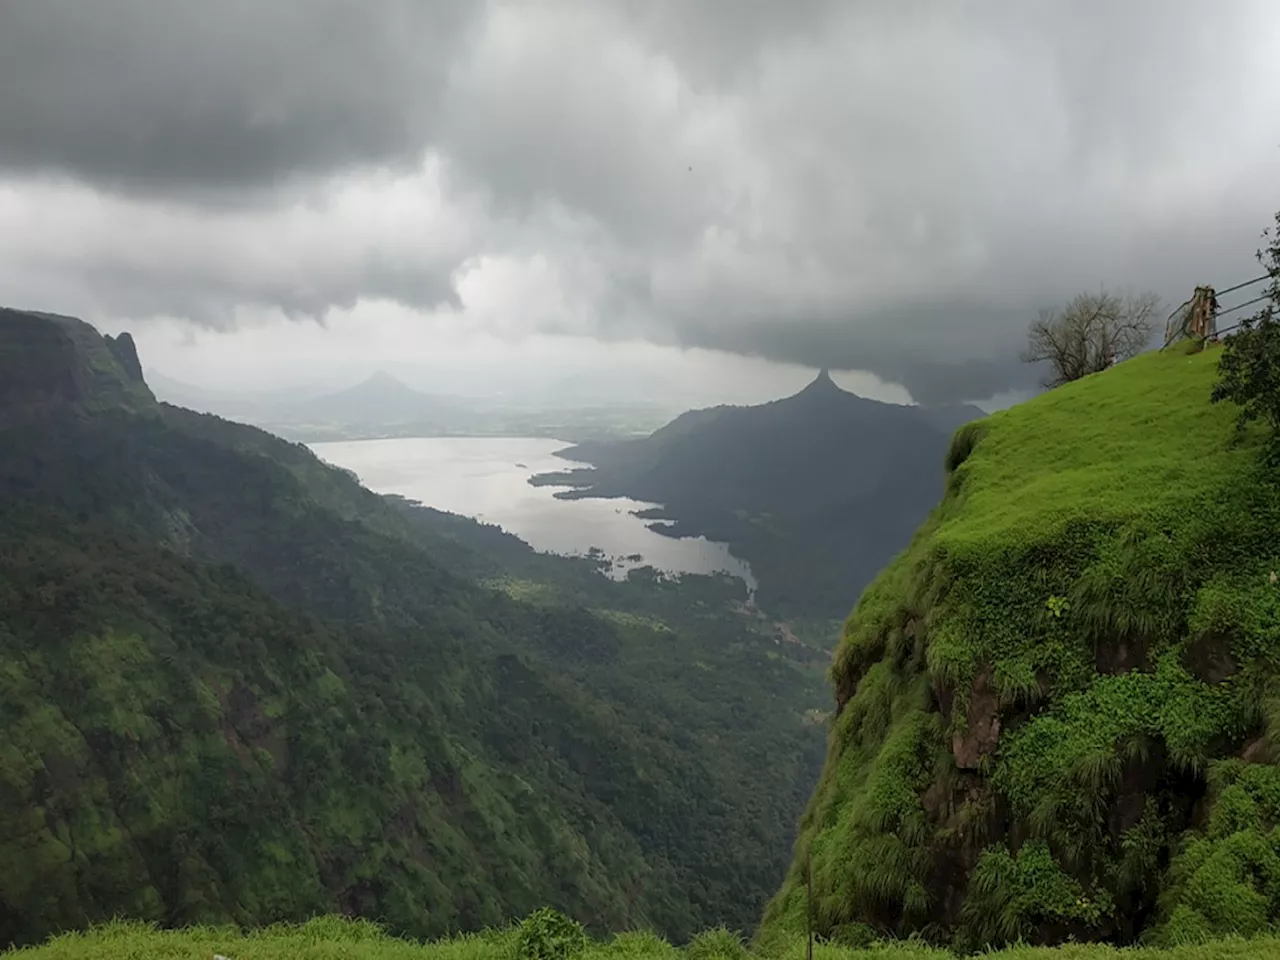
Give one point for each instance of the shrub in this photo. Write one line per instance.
(547, 934)
(1249, 371)
(719, 943)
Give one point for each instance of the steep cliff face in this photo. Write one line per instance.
(49, 361)
(1057, 708)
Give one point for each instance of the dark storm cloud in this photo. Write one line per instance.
(156, 94)
(890, 185)
(832, 344)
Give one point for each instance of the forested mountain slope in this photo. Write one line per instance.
(1057, 710)
(236, 686)
(817, 491)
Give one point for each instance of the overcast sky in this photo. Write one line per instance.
(271, 192)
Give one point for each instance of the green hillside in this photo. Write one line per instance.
(1058, 709)
(817, 491)
(237, 687)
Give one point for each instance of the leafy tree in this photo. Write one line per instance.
(1249, 371)
(1089, 334)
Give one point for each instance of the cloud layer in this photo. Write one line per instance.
(887, 186)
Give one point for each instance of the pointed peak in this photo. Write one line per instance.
(822, 383)
(125, 351)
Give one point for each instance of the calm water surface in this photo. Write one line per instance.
(487, 478)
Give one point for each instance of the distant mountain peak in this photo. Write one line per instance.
(383, 379)
(822, 384)
(380, 399)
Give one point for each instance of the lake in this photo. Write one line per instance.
(487, 478)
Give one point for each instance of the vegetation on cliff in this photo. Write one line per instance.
(1057, 709)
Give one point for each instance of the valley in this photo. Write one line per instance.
(816, 491)
(240, 687)
(616, 480)
(1049, 722)
(487, 479)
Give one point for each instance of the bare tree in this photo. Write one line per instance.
(1091, 333)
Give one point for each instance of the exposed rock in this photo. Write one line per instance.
(983, 728)
(1122, 654)
(50, 362)
(125, 351)
(1257, 750)
(1209, 658)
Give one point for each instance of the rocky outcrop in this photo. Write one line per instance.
(982, 727)
(125, 351)
(49, 361)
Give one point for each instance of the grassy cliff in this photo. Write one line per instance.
(1057, 709)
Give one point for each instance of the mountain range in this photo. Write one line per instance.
(384, 406)
(236, 686)
(380, 400)
(817, 491)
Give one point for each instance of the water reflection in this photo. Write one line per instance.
(487, 478)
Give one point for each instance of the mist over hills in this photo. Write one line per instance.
(383, 405)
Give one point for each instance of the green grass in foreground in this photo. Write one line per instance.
(332, 937)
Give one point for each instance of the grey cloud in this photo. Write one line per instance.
(892, 185)
(210, 299)
(151, 95)
(871, 344)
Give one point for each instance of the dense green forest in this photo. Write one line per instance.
(816, 491)
(238, 687)
(1056, 711)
